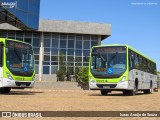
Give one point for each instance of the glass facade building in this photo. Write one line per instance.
(55, 38)
(23, 14)
(75, 48)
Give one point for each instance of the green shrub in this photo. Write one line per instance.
(82, 75)
(68, 74)
(62, 68)
(60, 75)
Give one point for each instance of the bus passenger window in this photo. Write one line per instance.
(136, 61)
(131, 60)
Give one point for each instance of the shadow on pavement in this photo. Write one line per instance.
(22, 93)
(115, 94)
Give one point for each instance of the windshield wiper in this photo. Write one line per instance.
(101, 57)
(112, 58)
(26, 55)
(17, 54)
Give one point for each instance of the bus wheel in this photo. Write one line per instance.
(148, 91)
(125, 92)
(104, 92)
(134, 91)
(5, 90)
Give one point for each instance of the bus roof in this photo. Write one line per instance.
(4, 39)
(127, 47)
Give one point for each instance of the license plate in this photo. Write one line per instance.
(106, 87)
(23, 85)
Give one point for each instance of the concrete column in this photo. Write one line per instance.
(41, 54)
(99, 40)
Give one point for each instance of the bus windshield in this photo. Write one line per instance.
(108, 62)
(19, 58)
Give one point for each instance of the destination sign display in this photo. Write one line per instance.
(14, 44)
(109, 49)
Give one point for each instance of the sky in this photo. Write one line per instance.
(134, 22)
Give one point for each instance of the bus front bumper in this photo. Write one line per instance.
(17, 84)
(108, 86)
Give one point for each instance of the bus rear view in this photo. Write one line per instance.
(110, 70)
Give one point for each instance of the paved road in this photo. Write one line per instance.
(77, 100)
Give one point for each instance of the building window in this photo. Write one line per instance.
(47, 43)
(54, 58)
(45, 69)
(71, 36)
(86, 37)
(47, 51)
(78, 37)
(46, 57)
(94, 43)
(63, 36)
(55, 36)
(28, 34)
(36, 42)
(70, 52)
(78, 52)
(63, 51)
(86, 44)
(94, 37)
(86, 52)
(36, 57)
(54, 51)
(47, 35)
(70, 58)
(55, 43)
(70, 43)
(63, 43)
(78, 44)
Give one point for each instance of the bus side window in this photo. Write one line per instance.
(155, 69)
(131, 60)
(1, 54)
(136, 61)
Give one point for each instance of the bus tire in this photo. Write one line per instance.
(134, 91)
(5, 90)
(104, 92)
(125, 92)
(150, 90)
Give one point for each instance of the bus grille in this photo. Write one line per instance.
(108, 85)
(23, 83)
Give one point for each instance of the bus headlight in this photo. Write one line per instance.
(9, 76)
(34, 77)
(123, 79)
(91, 80)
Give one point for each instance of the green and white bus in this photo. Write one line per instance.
(17, 68)
(121, 68)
